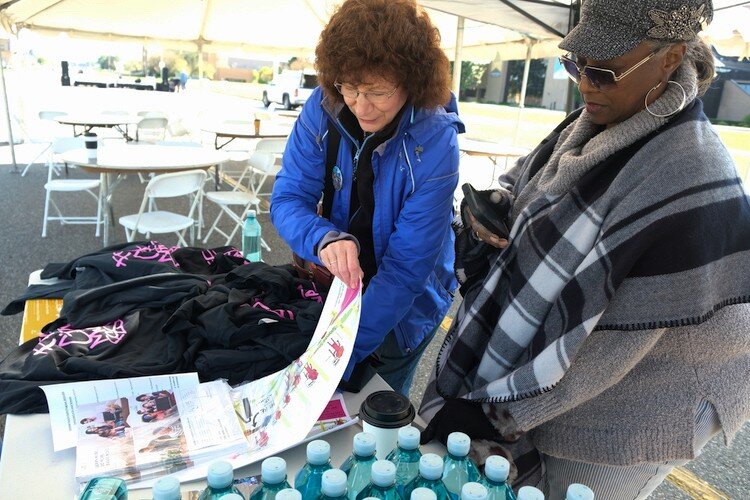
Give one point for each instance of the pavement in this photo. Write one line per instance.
(726, 470)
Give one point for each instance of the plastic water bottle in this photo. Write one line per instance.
(251, 237)
(430, 477)
(357, 467)
(308, 480)
(474, 491)
(579, 492)
(288, 494)
(496, 469)
(529, 493)
(105, 488)
(166, 488)
(232, 496)
(273, 477)
(422, 494)
(219, 479)
(333, 485)
(459, 468)
(382, 482)
(406, 457)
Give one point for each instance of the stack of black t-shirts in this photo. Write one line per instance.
(146, 309)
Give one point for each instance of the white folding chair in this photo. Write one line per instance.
(151, 129)
(48, 129)
(150, 219)
(239, 197)
(259, 176)
(61, 145)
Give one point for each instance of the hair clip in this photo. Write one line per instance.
(680, 24)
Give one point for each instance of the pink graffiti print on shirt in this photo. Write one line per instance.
(94, 336)
(310, 294)
(153, 251)
(209, 256)
(281, 313)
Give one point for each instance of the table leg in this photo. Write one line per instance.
(106, 207)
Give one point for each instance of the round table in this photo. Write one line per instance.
(140, 158)
(239, 129)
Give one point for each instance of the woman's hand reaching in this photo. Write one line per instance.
(342, 259)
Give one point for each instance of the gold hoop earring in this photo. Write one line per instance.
(679, 108)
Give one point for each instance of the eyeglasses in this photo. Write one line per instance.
(600, 78)
(374, 97)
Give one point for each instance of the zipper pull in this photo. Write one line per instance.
(417, 151)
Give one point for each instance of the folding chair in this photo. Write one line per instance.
(47, 137)
(151, 129)
(239, 197)
(150, 219)
(259, 176)
(61, 145)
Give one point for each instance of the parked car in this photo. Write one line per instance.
(291, 88)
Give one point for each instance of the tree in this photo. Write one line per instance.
(471, 76)
(535, 85)
(107, 62)
(265, 74)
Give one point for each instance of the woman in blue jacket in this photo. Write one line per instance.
(385, 92)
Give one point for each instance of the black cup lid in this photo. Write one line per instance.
(387, 410)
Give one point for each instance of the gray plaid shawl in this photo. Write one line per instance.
(656, 235)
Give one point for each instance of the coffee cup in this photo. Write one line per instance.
(383, 413)
(92, 143)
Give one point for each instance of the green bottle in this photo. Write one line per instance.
(273, 479)
(406, 457)
(357, 466)
(382, 482)
(333, 485)
(459, 469)
(219, 479)
(430, 477)
(496, 469)
(309, 478)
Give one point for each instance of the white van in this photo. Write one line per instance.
(291, 88)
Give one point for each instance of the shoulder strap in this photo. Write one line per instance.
(332, 151)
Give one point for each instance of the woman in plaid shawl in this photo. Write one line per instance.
(608, 338)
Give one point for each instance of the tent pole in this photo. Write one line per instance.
(526, 67)
(457, 56)
(7, 117)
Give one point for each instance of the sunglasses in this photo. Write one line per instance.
(600, 78)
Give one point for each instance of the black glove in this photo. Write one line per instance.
(459, 415)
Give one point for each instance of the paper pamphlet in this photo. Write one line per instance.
(278, 411)
(64, 399)
(157, 433)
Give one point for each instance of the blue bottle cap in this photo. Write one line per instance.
(250, 213)
(383, 473)
(318, 452)
(287, 494)
(423, 494)
(474, 491)
(408, 438)
(529, 493)
(363, 444)
(220, 474)
(166, 488)
(496, 468)
(232, 496)
(273, 470)
(431, 466)
(579, 492)
(458, 444)
(334, 483)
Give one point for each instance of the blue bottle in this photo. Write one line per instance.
(406, 457)
(496, 469)
(422, 494)
(357, 467)
(459, 469)
(529, 493)
(251, 237)
(430, 477)
(333, 485)
(105, 488)
(272, 477)
(474, 491)
(166, 488)
(382, 482)
(288, 494)
(219, 479)
(579, 492)
(308, 480)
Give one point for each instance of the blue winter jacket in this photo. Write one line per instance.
(415, 176)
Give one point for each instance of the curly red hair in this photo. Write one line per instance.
(393, 39)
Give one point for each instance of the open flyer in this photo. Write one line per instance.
(279, 410)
